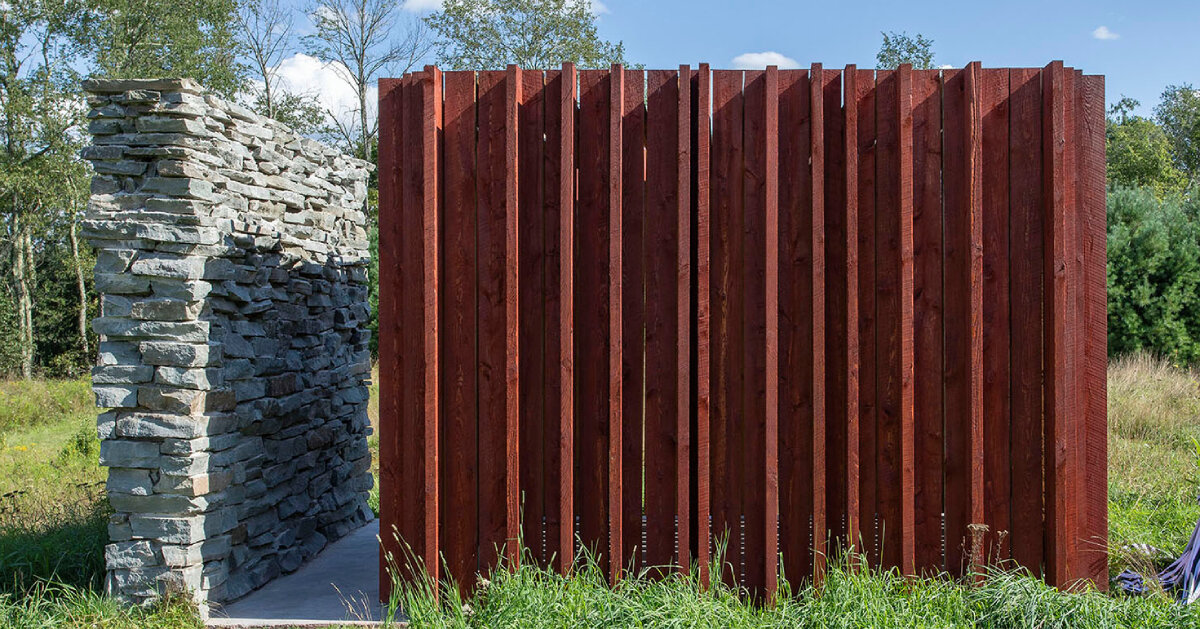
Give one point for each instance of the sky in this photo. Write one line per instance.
(1141, 47)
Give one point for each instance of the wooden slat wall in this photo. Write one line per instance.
(808, 306)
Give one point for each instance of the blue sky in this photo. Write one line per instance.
(1140, 46)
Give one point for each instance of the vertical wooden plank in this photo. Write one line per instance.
(552, 435)
(1077, 315)
(566, 269)
(683, 317)
(512, 550)
(836, 322)
(964, 297)
(492, 316)
(633, 311)
(795, 325)
(817, 236)
(459, 518)
(1026, 299)
(770, 530)
(1093, 213)
(726, 291)
(868, 148)
(1061, 502)
(431, 127)
(751, 360)
(531, 307)
(616, 376)
(392, 489)
(994, 107)
(591, 313)
(928, 321)
(663, 249)
(704, 312)
(894, 351)
(853, 510)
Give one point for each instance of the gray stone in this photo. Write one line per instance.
(143, 454)
(125, 555)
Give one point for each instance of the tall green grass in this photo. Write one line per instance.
(534, 597)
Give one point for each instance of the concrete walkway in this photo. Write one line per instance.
(340, 586)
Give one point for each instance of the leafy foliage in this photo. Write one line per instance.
(1179, 114)
(1140, 152)
(1153, 275)
(899, 48)
(490, 34)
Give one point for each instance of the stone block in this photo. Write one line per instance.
(120, 453)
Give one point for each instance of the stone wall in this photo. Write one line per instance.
(232, 262)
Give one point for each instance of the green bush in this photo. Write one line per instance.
(1153, 275)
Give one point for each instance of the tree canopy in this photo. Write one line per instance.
(899, 48)
(490, 34)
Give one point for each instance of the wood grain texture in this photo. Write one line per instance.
(817, 235)
(704, 226)
(391, 112)
(1093, 216)
(929, 316)
(459, 472)
(836, 304)
(633, 315)
(565, 546)
(512, 291)
(616, 375)
(770, 530)
(867, 148)
(431, 127)
(683, 318)
(1026, 298)
(853, 509)
(795, 325)
(997, 322)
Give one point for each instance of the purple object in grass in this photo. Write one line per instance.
(1181, 578)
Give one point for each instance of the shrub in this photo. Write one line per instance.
(1153, 275)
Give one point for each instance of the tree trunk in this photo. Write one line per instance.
(30, 280)
(80, 286)
(21, 286)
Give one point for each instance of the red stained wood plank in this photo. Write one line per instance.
(532, 306)
(565, 546)
(771, 317)
(431, 127)
(817, 235)
(867, 147)
(726, 292)
(683, 282)
(591, 313)
(994, 109)
(552, 436)
(663, 251)
(1092, 207)
(853, 510)
(1061, 513)
(703, 514)
(750, 274)
(616, 376)
(836, 321)
(459, 480)
(492, 315)
(894, 345)
(928, 319)
(391, 480)
(633, 312)
(1026, 299)
(512, 291)
(795, 325)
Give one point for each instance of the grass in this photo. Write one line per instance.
(53, 526)
(534, 597)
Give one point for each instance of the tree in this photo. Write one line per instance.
(1139, 152)
(168, 38)
(490, 34)
(1179, 114)
(265, 32)
(40, 135)
(899, 48)
(360, 39)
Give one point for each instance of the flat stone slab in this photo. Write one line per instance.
(340, 586)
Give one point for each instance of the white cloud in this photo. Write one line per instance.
(758, 60)
(1103, 33)
(422, 6)
(328, 83)
(945, 66)
(598, 7)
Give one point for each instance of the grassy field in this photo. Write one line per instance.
(53, 528)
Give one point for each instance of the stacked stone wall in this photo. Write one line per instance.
(232, 263)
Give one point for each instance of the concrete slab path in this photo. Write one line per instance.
(339, 587)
